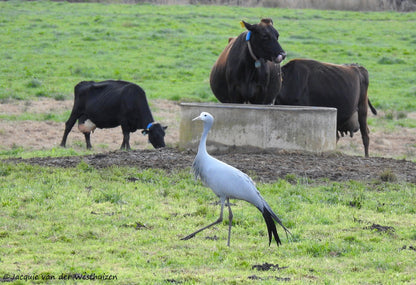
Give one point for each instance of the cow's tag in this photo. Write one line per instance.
(248, 36)
(257, 64)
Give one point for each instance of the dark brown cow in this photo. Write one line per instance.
(248, 70)
(312, 83)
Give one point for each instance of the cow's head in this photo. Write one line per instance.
(156, 134)
(263, 38)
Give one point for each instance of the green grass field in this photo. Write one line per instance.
(122, 222)
(56, 222)
(48, 47)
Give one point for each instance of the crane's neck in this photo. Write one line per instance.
(203, 142)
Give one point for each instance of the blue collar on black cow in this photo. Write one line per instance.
(146, 131)
(149, 125)
(257, 63)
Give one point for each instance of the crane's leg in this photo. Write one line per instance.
(230, 216)
(210, 225)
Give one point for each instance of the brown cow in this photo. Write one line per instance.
(248, 70)
(313, 83)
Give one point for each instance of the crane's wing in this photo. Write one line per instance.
(226, 180)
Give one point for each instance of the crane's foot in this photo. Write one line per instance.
(188, 237)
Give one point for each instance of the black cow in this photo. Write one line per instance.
(344, 87)
(109, 104)
(248, 70)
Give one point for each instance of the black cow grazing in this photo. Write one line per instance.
(344, 87)
(248, 70)
(109, 104)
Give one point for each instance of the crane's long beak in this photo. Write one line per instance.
(197, 118)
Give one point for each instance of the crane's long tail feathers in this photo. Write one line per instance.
(271, 227)
(270, 217)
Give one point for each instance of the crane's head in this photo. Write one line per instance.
(205, 117)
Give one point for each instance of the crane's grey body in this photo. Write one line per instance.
(221, 177)
(228, 182)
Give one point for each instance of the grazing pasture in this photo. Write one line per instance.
(48, 47)
(68, 216)
(98, 218)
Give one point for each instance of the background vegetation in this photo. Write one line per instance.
(351, 5)
(129, 223)
(48, 47)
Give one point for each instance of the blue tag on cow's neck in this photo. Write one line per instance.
(248, 36)
(149, 125)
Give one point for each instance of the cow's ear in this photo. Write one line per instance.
(145, 132)
(247, 25)
(165, 127)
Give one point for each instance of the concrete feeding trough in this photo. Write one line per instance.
(260, 127)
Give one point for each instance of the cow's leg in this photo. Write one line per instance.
(126, 138)
(88, 139)
(68, 127)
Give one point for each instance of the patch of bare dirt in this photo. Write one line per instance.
(347, 163)
(47, 134)
(398, 143)
(262, 167)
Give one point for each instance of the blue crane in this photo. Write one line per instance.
(227, 183)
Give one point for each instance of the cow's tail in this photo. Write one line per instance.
(373, 110)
